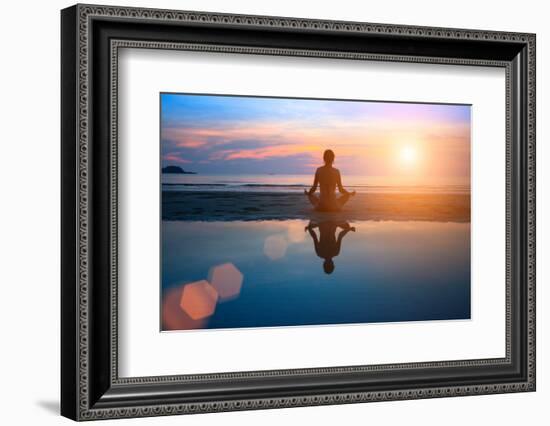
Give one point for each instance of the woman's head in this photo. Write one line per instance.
(328, 156)
(328, 266)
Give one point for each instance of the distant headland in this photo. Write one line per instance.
(177, 170)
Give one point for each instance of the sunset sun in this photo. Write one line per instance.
(408, 156)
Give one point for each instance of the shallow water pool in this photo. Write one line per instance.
(293, 272)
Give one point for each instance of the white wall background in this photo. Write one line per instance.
(29, 214)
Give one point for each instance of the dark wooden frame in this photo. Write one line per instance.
(91, 37)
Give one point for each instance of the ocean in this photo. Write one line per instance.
(295, 183)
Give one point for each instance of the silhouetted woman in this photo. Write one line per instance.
(327, 178)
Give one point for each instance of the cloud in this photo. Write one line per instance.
(174, 158)
(269, 152)
(289, 136)
(198, 137)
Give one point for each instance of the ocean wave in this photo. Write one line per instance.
(267, 187)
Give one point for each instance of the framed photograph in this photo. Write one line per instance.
(263, 212)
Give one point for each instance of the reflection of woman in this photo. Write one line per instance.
(328, 245)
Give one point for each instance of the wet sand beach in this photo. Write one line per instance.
(247, 206)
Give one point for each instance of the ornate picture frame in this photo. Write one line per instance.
(91, 37)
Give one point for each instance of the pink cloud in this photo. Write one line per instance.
(191, 143)
(175, 159)
(286, 150)
(199, 137)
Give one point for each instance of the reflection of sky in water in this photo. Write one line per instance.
(254, 274)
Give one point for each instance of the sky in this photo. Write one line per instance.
(386, 142)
